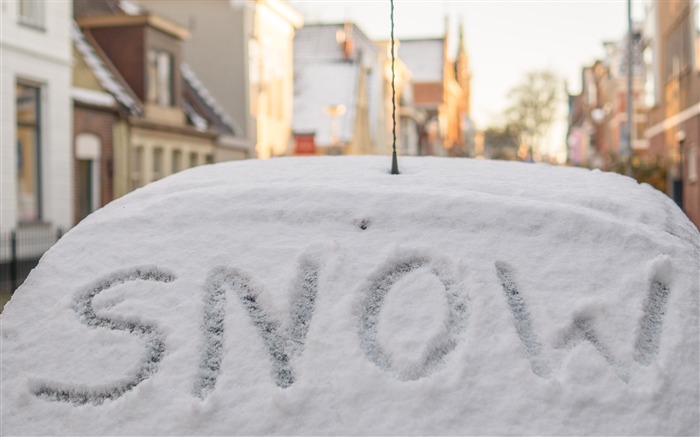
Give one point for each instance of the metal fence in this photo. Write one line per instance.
(20, 251)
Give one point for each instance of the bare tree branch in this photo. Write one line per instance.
(533, 107)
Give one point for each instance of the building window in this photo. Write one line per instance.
(28, 153)
(160, 78)
(88, 149)
(680, 47)
(650, 79)
(194, 159)
(84, 175)
(31, 13)
(157, 163)
(209, 159)
(137, 167)
(177, 161)
(692, 164)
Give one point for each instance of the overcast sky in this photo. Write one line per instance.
(504, 39)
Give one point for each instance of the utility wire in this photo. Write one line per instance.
(394, 162)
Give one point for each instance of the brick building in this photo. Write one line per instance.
(140, 112)
(674, 119)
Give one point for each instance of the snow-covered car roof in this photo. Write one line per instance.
(326, 296)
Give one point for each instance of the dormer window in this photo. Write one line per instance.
(31, 13)
(160, 78)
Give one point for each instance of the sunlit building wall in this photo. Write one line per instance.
(407, 117)
(272, 73)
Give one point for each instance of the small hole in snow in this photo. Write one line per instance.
(363, 224)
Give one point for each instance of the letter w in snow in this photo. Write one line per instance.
(582, 329)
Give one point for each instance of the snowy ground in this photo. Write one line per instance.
(325, 296)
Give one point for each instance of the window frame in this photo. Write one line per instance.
(158, 163)
(88, 156)
(176, 161)
(692, 163)
(136, 178)
(158, 92)
(37, 129)
(32, 13)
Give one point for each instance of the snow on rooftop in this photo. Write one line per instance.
(130, 8)
(197, 120)
(204, 94)
(92, 97)
(326, 296)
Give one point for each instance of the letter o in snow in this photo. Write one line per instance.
(373, 303)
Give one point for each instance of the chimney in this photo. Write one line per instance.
(348, 43)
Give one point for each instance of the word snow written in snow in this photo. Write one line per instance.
(284, 345)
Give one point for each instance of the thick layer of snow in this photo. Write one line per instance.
(325, 296)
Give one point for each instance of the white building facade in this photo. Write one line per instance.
(36, 165)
